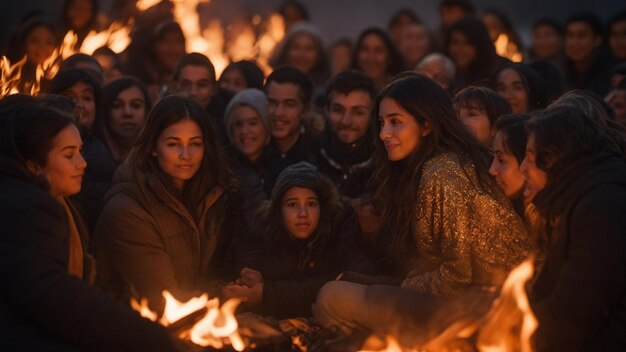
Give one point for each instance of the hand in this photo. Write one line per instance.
(250, 277)
(250, 295)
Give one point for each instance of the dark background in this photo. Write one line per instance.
(346, 18)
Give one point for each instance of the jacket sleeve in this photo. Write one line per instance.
(442, 218)
(128, 241)
(36, 285)
(591, 282)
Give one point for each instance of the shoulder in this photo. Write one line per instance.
(21, 197)
(446, 169)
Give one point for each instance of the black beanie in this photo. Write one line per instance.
(302, 175)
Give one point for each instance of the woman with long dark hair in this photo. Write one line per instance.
(469, 46)
(126, 105)
(375, 55)
(449, 225)
(160, 225)
(579, 297)
(83, 88)
(522, 87)
(47, 301)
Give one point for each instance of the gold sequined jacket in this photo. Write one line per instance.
(464, 235)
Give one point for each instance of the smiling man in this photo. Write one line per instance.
(289, 94)
(345, 149)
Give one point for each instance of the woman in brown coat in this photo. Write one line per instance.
(161, 221)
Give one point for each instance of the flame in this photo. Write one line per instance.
(507, 326)
(176, 310)
(374, 343)
(217, 328)
(143, 5)
(10, 76)
(217, 324)
(507, 49)
(116, 37)
(247, 44)
(142, 308)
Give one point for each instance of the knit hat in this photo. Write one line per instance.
(301, 174)
(252, 97)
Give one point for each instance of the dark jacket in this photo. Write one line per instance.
(98, 175)
(147, 241)
(277, 161)
(42, 307)
(294, 270)
(579, 297)
(348, 166)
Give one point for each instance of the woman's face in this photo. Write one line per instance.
(505, 169)
(249, 133)
(340, 57)
(233, 80)
(83, 96)
(461, 51)
(511, 87)
(399, 131)
(546, 42)
(179, 151)
(40, 44)
(128, 113)
(300, 212)
(302, 52)
(580, 42)
(618, 103)
(536, 178)
(198, 82)
(478, 123)
(169, 50)
(65, 165)
(372, 57)
(79, 13)
(414, 43)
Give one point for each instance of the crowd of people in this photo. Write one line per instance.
(363, 185)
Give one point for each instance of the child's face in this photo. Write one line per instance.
(300, 212)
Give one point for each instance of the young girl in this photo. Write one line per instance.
(159, 229)
(307, 239)
(450, 227)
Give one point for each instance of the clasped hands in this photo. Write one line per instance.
(248, 287)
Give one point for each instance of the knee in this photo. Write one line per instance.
(328, 297)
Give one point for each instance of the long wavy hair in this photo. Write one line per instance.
(397, 182)
(213, 171)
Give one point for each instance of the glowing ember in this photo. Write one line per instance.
(217, 328)
(507, 49)
(374, 343)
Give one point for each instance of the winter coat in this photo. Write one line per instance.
(276, 161)
(42, 307)
(147, 241)
(294, 270)
(349, 167)
(579, 297)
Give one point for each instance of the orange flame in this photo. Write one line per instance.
(507, 327)
(10, 76)
(217, 328)
(507, 49)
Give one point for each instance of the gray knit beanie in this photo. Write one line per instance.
(252, 97)
(302, 175)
